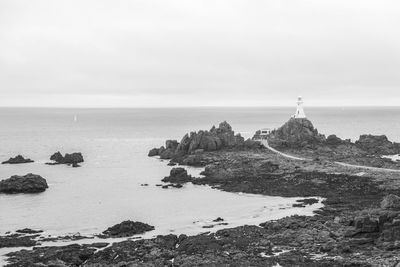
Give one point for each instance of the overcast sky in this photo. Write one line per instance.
(199, 53)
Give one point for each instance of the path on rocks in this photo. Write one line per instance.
(265, 143)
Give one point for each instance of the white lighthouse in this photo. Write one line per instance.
(299, 111)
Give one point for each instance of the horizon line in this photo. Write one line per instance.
(187, 107)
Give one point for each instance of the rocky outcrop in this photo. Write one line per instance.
(377, 144)
(391, 202)
(296, 133)
(17, 160)
(127, 228)
(178, 175)
(69, 159)
(197, 142)
(30, 183)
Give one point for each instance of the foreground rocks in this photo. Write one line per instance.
(69, 159)
(127, 228)
(17, 160)
(30, 183)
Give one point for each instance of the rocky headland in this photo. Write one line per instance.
(359, 224)
(30, 183)
(299, 137)
(17, 160)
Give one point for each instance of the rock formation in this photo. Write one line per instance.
(377, 144)
(69, 159)
(127, 228)
(296, 133)
(17, 160)
(178, 175)
(197, 142)
(30, 183)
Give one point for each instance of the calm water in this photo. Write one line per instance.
(107, 188)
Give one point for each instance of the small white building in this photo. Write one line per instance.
(264, 132)
(300, 114)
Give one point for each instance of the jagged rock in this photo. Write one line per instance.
(29, 231)
(127, 228)
(70, 159)
(333, 140)
(30, 183)
(377, 144)
(57, 157)
(296, 133)
(197, 142)
(154, 152)
(178, 175)
(391, 202)
(17, 160)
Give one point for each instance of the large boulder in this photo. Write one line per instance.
(30, 183)
(178, 175)
(391, 202)
(296, 133)
(17, 160)
(377, 144)
(128, 228)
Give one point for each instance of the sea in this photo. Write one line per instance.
(109, 186)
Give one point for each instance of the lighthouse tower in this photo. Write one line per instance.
(300, 111)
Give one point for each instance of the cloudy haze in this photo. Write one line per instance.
(199, 53)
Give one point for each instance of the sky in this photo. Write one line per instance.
(170, 53)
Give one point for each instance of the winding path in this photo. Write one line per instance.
(265, 143)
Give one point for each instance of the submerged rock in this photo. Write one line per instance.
(29, 231)
(30, 183)
(17, 160)
(127, 228)
(16, 240)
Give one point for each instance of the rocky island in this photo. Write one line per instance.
(30, 183)
(72, 159)
(17, 160)
(357, 226)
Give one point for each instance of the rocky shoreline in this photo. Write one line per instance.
(359, 224)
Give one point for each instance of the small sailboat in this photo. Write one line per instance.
(75, 118)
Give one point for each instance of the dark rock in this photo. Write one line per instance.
(73, 158)
(391, 202)
(128, 228)
(57, 157)
(71, 255)
(154, 152)
(17, 160)
(366, 224)
(308, 201)
(70, 159)
(219, 219)
(17, 241)
(28, 231)
(178, 175)
(333, 140)
(30, 183)
(377, 144)
(296, 133)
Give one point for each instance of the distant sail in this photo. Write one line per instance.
(75, 118)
